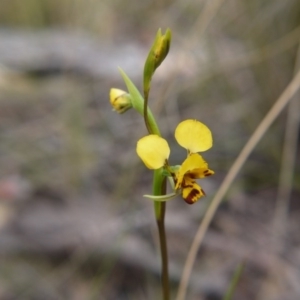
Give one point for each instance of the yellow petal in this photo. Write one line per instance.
(116, 93)
(191, 192)
(193, 136)
(201, 173)
(153, 151)
(193, 163)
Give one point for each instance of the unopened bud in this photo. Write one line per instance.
(120, 100)
(157, 54)
(161, 47)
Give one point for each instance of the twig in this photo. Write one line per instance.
(287, 164)
(273, 113)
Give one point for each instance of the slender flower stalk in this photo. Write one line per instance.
(159, 188)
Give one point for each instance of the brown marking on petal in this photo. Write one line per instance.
(207, 173)
(174, 177)
(192, 196)
(192, 176)
(203, 193)
(183, 185)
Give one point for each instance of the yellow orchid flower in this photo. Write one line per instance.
(191, 135)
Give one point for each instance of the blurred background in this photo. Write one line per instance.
(73, 222)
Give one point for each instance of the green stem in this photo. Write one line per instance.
(159, 188)
(234, 281)
(164, 253)
(146, 95)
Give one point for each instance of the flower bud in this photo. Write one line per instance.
(157, 54)
(161, 47)
(120, 100)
